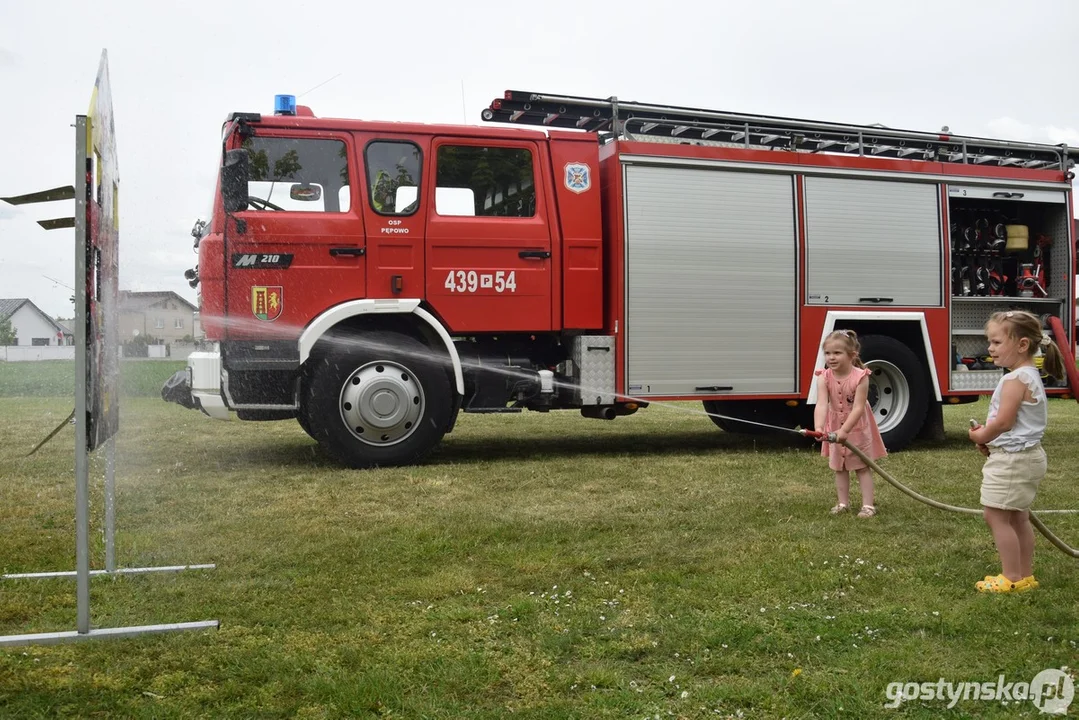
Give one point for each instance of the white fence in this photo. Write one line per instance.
(25, 353)
(32, 353)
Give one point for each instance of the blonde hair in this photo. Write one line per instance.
(1020, 325)
(849, 340)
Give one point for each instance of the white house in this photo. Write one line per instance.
(32, 326)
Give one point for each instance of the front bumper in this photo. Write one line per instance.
(199, 386)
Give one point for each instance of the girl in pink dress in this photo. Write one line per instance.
(842, 408)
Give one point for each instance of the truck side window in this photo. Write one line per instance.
(485, 181)
(393, 176)
(298, 175)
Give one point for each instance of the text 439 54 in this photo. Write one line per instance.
(469, 281)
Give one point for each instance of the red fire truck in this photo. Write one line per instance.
(374, 279)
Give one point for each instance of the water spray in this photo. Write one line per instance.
(547, 383)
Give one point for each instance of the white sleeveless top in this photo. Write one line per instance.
(1032, 417)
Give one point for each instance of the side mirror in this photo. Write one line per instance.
(305, 192)
(235, 174)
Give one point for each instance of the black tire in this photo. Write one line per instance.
(898, 389)
(769, 412)
(303, 410)
(301, 417)
(378, 399)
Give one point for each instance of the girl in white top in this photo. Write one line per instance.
(1011, 442)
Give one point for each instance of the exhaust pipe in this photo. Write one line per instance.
(610, 412)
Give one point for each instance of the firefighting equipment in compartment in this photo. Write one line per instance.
(1039, 365)
(998, 237)
(979, 362)
(971, 238)
(1031, 278)
(1026, 281)
(962, 284)
(997, 278)
(1043, 241)
(978, 276)
(964, 238)
(1018, 238)
(981, 277)
(981, 233)
(1039, 281)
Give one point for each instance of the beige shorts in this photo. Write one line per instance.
(1010, 480)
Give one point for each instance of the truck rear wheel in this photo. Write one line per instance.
(898, 389)
(378, 399)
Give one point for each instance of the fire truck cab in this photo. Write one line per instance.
(374, 279)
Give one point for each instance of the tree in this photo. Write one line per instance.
(8, 336)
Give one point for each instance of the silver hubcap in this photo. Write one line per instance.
(381, 403)
(889, 394)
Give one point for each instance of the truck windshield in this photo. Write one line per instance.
(298, 175)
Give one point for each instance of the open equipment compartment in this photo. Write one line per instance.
(1009, 250)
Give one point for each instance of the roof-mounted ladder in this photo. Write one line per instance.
(613, 118)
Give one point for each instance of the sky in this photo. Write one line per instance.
(981, 67)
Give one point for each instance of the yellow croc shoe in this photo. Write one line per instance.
(996, 584)
(1026, 584)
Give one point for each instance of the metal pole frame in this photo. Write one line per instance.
(110, 530)
(83, 188)
(84, 346)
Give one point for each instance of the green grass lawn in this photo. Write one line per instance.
(539, 566)
(56, 378)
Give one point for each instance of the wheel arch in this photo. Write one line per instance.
(909, 328)
(404, 315)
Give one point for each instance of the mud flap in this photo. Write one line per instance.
(933, 429)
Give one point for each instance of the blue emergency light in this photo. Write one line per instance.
(284, 105)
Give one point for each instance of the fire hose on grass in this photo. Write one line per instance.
(831, 437)
(1072, 372)
(1034, 519)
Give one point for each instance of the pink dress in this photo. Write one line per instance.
(864, 435)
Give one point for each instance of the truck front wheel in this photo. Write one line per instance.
(378, 399)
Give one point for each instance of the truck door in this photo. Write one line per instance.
(488, 236)
(302, 248)
(394, 213)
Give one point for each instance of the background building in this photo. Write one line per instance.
(32, 326)
(163, 316)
